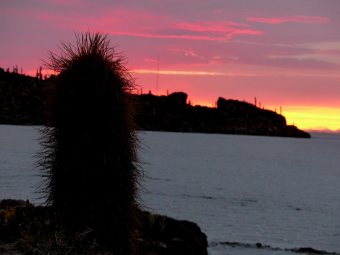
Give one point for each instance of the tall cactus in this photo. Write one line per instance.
(90, 150)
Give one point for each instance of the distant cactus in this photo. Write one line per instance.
(90, 150)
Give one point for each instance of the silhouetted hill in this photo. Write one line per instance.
(172, 113)
(22, 101)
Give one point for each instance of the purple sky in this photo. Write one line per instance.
(284, 52)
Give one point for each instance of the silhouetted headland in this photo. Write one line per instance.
(173, 113)
(23, 101)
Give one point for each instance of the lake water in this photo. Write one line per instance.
(281, 192)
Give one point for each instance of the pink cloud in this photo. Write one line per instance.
(187, 52)
(213, 26)
(174, 36)
(127, 22)
(290, 19)
(224, 29)
(64, 2)
(165, 28)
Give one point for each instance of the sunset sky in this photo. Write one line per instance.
(286, 53)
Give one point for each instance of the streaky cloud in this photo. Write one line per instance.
(174, 72)
(290, 19)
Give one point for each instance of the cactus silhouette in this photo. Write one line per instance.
(89, 158)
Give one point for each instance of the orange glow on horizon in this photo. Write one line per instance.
(313, 118)
(308, 118)
(203, 103)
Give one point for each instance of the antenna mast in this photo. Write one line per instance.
(157, 75)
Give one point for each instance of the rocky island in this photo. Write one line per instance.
(173, 113)
(22, 102)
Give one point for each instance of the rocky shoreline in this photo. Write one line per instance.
(28, 229)
(25, 229)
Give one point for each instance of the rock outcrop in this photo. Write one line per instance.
(29, 229)
(172, 113)
(162, 235)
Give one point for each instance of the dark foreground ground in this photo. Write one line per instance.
(28, 229)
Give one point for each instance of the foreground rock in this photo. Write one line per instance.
(29, 229)
(164, 235)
